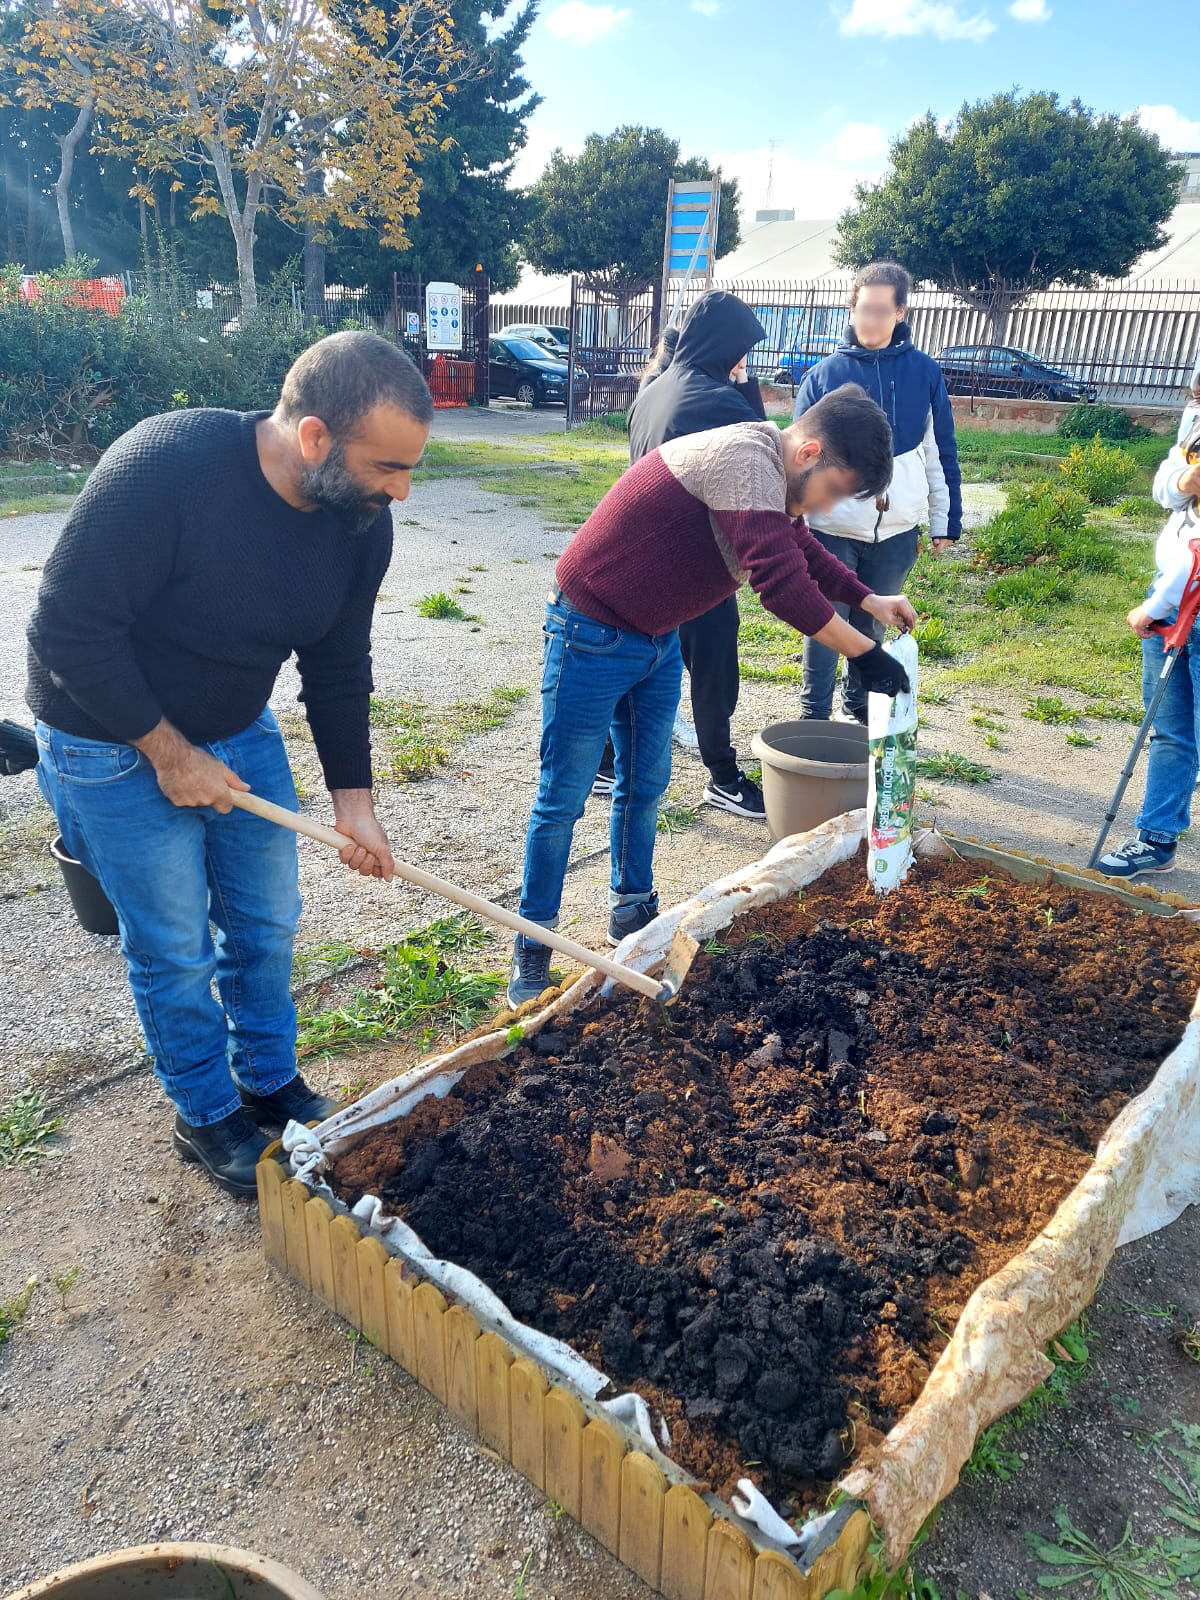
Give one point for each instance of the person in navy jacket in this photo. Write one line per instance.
(879, 542)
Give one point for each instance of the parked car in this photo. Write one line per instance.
(548, 338)
(1003, 371)
(791, 366)
(528, 372)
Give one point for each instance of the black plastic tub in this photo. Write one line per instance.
(93, 908)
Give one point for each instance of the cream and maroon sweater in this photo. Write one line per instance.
(691, 522)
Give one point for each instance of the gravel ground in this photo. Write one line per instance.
(261, 1423)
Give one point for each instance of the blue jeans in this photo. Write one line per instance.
(595, 677)
(170, 870)
(883, 567)
(1175, 746)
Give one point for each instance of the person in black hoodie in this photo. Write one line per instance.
(705, 385)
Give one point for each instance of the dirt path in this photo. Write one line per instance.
(184, 1391)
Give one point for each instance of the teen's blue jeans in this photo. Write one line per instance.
(169, 870)
(882, 566)
(1175, 747)
(595, 677)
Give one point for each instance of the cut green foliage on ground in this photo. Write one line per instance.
(957, 768)
(27, 1133)
(675, 814)
(419, 991)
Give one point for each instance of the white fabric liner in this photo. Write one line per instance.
(1145, 1174)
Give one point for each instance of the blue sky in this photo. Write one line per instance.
(832, 81)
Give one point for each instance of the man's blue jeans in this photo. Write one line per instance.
(1175, 747)
(168, 871)
(594, 677)
(883, 567)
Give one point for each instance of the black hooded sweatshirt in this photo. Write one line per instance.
(694, 393)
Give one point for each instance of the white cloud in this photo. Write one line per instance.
(817, 182)
(892, 19)
(706, 8)
(859, 143)
(579, 23)
(1030, 11)
(1174, 130)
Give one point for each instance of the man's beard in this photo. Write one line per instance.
(796, 485)
(334, 488)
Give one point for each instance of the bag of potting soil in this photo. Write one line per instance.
(892, 777)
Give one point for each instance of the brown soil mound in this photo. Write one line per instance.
(765, 1206)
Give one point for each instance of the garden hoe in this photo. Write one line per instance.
(1174, 638)
(679, 959)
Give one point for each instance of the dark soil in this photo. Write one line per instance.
(765, 1206)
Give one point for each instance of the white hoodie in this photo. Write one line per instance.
(1173, 557)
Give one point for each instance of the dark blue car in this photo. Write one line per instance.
(1004, 372)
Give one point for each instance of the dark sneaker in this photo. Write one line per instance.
(604, 782)
(624, 920)
(1136, 857)
(229, 1150)
(744, 798)
(295, 1102)
(530, 974)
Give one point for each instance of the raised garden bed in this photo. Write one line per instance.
(765, 1208)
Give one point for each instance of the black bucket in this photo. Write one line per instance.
(92, 906)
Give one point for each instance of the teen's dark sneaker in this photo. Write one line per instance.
(295, 1102)
(744, 798)
(624, 920)
(530, 971)
(604, 782)
(228, 1150)
(1136, 857)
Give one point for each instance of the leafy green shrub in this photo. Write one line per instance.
(1109, 422)
(1037, 521)
(71, 377)
(1034, 588)
(1099, 471)
(1140, 508)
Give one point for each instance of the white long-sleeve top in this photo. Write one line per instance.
(1171, 553)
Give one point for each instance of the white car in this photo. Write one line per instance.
(540, 334)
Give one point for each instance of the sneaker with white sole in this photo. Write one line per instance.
(683, 733)
(1136, 857)
(530, 974)
(604, 782)
(624, 920)
(744, 798)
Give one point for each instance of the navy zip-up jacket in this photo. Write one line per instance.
(926, 483)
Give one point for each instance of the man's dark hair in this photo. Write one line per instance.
(341, 377)
(855, 435)
(890, 272)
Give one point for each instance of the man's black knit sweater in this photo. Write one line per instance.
(181, 584)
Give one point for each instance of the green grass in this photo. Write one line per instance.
(324, 958)
(563, 478)
(1049, 708)
(420, 993)
(768, 650)
(1081, 644)
(988, 456)
(443, 607)
(27, 1134)
(957, 768)
(28, 486)
(413, 740)
(14, 1311)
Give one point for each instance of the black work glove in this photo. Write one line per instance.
(881, 672)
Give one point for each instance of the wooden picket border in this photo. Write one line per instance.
(678, 1541)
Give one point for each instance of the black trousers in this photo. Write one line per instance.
(710, 654)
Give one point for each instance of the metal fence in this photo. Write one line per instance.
(1132, 344)
(454, 380)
